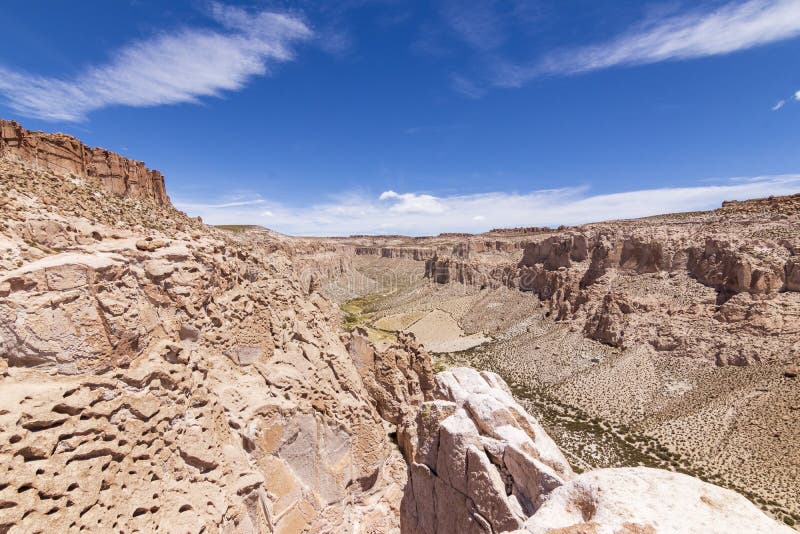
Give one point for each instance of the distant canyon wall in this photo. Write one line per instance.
(64, 155)
(727, 266)
(419, 254)
(720, 285)
(460, 249)
(694, 295)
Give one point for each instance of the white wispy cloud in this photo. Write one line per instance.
(169, 68)
(412, 202)
(231, 204)
(418, 214)
(466, 87)
(797, 95)
(778, 105)
(477, 23)
(735, 26)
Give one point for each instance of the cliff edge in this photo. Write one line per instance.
(65, 155)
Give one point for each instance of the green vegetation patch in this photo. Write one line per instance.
(236, 228)
(358, 313)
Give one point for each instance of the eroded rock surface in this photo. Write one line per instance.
(482, 464)
(160, 375)
(157, 374)
(479, 462)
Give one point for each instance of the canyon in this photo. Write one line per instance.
(161, 374)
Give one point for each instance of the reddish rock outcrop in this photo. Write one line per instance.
(65, 155)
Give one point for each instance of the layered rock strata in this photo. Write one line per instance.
(720, 285)
(65, 155)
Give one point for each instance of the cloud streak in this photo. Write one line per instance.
(477, 23)
(179, 67)
(466, 87)
(418, 214)
(736, 26)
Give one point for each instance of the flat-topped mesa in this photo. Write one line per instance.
(522, 230)
(419, 254)
(64, 155)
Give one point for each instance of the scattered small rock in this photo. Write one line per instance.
(791, 371)
(149, 244)
(189, 332)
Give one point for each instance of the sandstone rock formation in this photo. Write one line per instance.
(419, 254)
(159, 375)
(398, 378)
(721, 286)
(480, 462)
(65, 155)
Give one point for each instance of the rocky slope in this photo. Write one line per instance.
(157, 374)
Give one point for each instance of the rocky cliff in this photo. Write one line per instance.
(419, 254)
(720, 285)
(65, 155)
(159, 374)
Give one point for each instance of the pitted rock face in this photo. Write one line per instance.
(159, 375)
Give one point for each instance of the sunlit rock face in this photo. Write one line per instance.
(64, 155)
(158, 374)
(481, 464)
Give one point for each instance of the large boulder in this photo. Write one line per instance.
(641, 499)
(480, 463)
(483, 465)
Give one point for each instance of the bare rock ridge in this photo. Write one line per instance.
(65, 155)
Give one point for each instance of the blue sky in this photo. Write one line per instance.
(383, 116)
